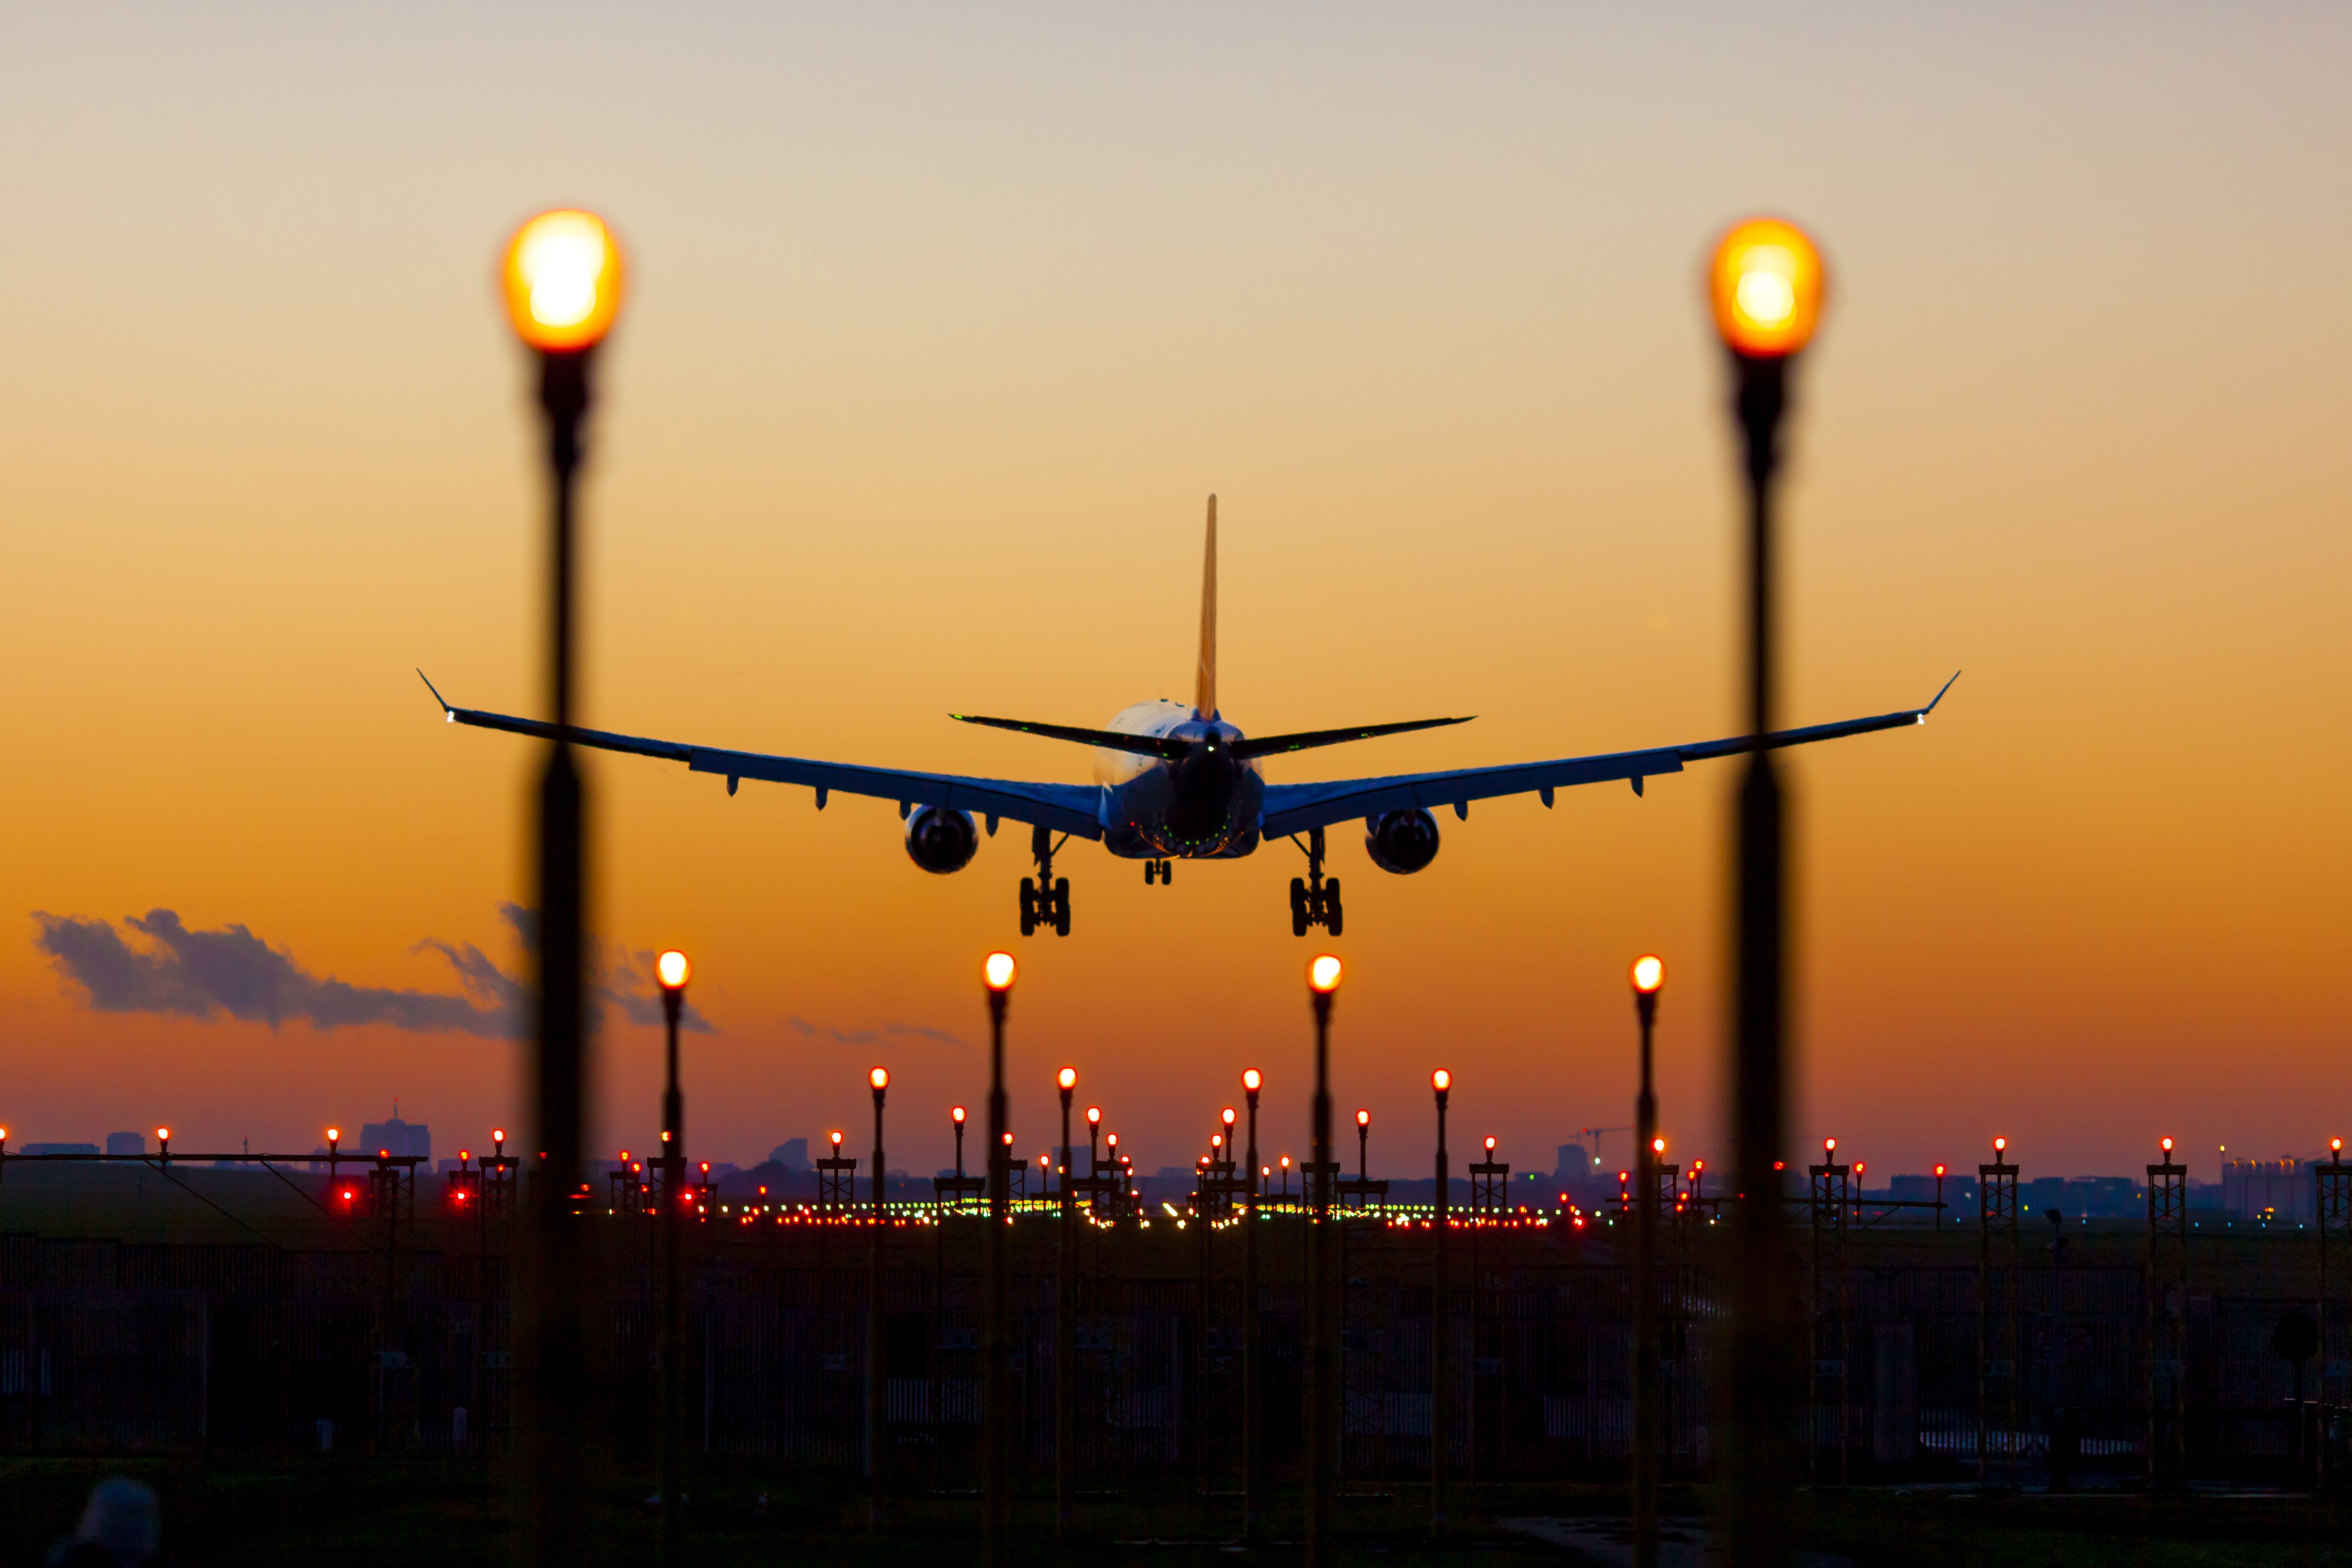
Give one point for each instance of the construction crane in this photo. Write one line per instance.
(1594, 1133)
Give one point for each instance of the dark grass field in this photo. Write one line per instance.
(362, 1513)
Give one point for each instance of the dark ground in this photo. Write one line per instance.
(363, 1511)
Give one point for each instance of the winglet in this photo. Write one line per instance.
(1939, 695)
(447, 711)
(1204, 689)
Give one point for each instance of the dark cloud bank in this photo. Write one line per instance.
(203, 973)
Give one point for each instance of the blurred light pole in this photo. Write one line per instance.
(1253, 1450)
(997, 973)
(1441, 1339)
(875, 1412)
(1323, 976)
(1649, 976)
(563, 284)
(1363, 1145)
(1066, 1330)
(672, 970)
(1765, 284)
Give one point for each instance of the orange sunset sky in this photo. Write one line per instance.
(945, 320)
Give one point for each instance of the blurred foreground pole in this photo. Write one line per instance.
(563, 284)
(996, 1498)
(672, 971)
(1649, 975)
(1766, 287)
(1322, 1346)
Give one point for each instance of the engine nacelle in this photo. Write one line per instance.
(941, 840)
(1402, 841)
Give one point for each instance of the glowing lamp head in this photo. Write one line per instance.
(2167, 1145)
(497, 1134)
(1766, 287)
(1648, 973)
(1216, 1140)
(1251, 1080)
(1068, 1078)
(562, 281)
(1227, 1116)
(334, 1134)
(998, 970)
(1440, 1080)
(1285, 1161)
(1940, 1170)
(1490, 1142)
(1657, 1145)
(1111, 1139)
(1323, 973)
(1363, 1119)
(1829, 1145)
(163, 1135)
(957, 1114)
(879, 1077)
(2001, 1146)
(464, 1156)
(836, 1141)
(2335, 1145)
(1008, 1139)
(1093, 1115)
(672, 970)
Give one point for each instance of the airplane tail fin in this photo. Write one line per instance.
(1204, 685)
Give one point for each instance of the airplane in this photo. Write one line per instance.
(1176, 781)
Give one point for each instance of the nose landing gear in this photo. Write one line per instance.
(1045, 897)
(1160, 871)
(1315, 902)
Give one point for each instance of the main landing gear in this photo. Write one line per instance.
(1313, 900)
(1045, 898)
(1160, 871)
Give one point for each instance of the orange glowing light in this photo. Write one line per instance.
(1649, 974)
(837, 1140)
(1490, 1143)
(1440, 1080)
(1250, 1079)
(464, 1156)
(1093, 1115)
(2000, 1144)
(998, 970)
(957, 1114)
(1766, 285)
(1067, 1078)
(672, 970)
(1657, 1145)
(334, 1134)
(498, 1134)
(879, 1077)
(2167, 1145)
(562, 277)
(1227, 1116)
(1940, 1170)
(163, 1135)
(1323, 973)
(1363, 1119)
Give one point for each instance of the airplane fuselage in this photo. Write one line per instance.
(1205, 806)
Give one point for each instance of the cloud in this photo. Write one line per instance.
(870, 1036)
(203, 973)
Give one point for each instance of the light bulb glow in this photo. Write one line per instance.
(334, 1134)
(163, 1135)
(1323, 973)
(957, 1114)
(672, 970)
(1657, 1145)
(1093, 1115)
(1250, 1079)
(998, 970)
(1067, 1078)
(1766, 285)
(1227, 1116)
(1363, 1119)
(1440, 1080)
(879, 1077)
(2000, 1145)
(562, 277)
(2167, 1145)
(1648, 973)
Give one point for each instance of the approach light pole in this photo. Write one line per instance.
(1066, 1331)
(997, 972)
(1441, 1337)
(672, 970)
(562, 280)
(1765, 284)
(1323, 976)
(875, 1413)
(1648, 974)
(1252, 1363)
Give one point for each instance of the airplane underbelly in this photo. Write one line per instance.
(1136, 823)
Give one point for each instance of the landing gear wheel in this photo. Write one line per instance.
(1028, 907)
(1167, 872)
(1150, 872)
(1062, 907)
(1333, 916)
(1299, 906)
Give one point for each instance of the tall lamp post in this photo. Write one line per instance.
(1765, 284)
(563, 286)
(875, 1415)
(1066, 1330)
(1649, 976)
(1253, 1448)
(997, 973)
(1441, 1382)
(672, 970)
(1323, 976)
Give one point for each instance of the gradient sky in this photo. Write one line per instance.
(945, 320)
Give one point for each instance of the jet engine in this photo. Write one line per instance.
(941, 840)
(1402, 841)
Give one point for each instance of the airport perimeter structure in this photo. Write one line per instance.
(143, 1306)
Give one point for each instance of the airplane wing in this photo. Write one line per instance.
(1064, 808)
(1295, 809)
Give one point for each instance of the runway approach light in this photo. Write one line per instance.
(998, 970)
(1999, 1147)
(957, 1114)
(1250, 1079)
(672, 970)
(1363, 1119)
(2167, 1148)
(879, 1077)
(1649, 974)
(1067, 1078)
(563, 281)
(1323, 973)
(1440, 1080)
(1766, 287)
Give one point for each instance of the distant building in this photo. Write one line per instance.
(395, 1137)
(792, 1154)
(2269, 1192)
(126, 1143)
(61, 1148)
